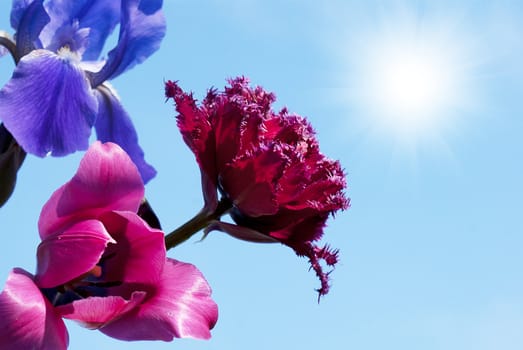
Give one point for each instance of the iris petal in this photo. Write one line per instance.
(99, 16)
(142, 28)
(17, 11)
(28, 320)
(113, 124)
(31, 19)
(48, 105)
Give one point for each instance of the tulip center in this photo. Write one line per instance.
(90, 284)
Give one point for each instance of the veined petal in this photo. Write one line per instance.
(48, 105)
(98, 16)
(106, 180)
(18, 8)
(142, 28)
(113, 124)
(30, 18)
(28, 320)
(180, 307)
(95, 312)
(139, 253)
(65, 256)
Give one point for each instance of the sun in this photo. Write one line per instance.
(407, 79)
(410, 85)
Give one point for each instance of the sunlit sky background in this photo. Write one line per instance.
(422, 102)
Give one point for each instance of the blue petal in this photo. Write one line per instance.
(17, 11)
(31, 22)
(100, 17)
(71, 36)
(142, 28)
(48, 105)
(113, 124)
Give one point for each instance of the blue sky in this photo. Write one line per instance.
(431, 249)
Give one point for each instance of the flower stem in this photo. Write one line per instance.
(9, 44)
(197, 223)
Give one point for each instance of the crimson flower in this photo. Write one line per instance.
(100, 264)
(267, 166)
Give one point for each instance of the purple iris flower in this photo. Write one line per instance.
(58, 90)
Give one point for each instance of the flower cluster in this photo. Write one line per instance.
(102, 260)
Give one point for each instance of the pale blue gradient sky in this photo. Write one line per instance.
(432, 248)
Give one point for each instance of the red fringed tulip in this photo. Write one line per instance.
(267, 167)
(100, 264)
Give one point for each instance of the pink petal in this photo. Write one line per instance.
(28, 320)
(67, 255)
(95, 312)
(139, 253)
(180, 307)
(106, 180)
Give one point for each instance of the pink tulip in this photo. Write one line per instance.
(101, 265)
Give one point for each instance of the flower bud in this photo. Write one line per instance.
(146, 212)
(11, 158)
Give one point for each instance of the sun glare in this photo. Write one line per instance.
(410, 86)
(411, 83)
(407, 81)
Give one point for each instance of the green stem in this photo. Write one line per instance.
(9, 44)
(197, 223)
